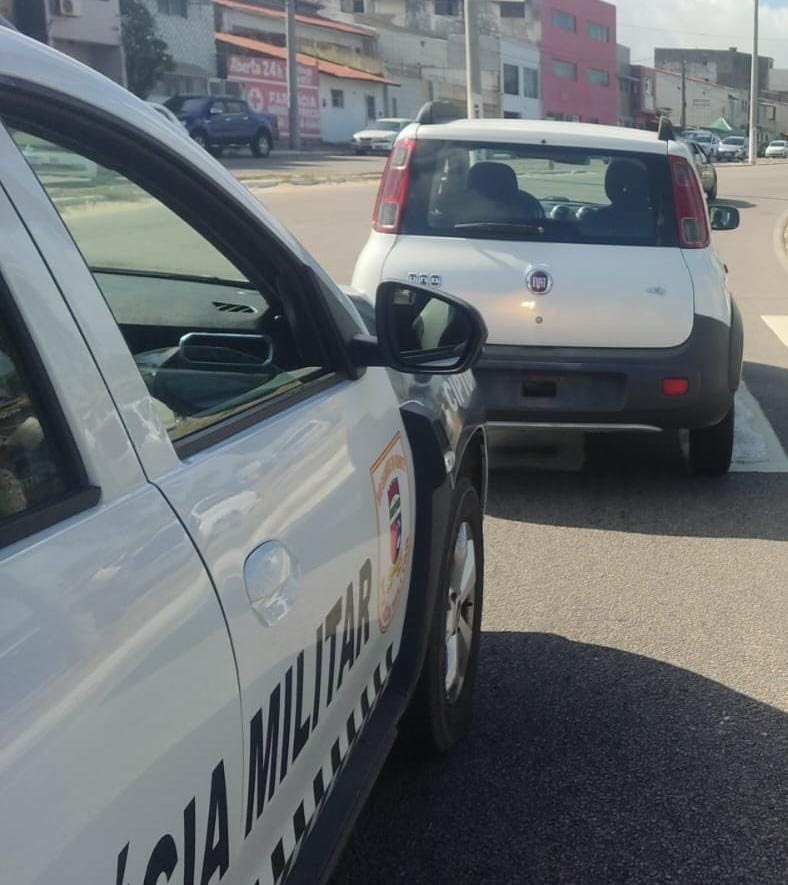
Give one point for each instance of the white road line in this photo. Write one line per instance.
(778, 325)
(756, 448)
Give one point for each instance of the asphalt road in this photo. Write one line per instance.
(633, 686)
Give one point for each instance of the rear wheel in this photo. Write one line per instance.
(442, 707)
(261, 145)
(711, 448)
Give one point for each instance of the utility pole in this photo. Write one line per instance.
(292, 75)
(473, 74)
(754, 91)
(683, 94)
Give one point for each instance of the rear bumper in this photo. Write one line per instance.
(615, 386)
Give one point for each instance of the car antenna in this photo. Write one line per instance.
(665, 130)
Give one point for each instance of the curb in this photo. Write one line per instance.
(307, 181)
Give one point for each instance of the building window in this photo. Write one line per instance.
(511, 80)
(597, 77)
(337, 98)
(530, 83)
(358, 6)
(647, 87)
(563, 21)
(174, 7)
(371, 111)
(565, 70)
(512, 10)
(512, 115)
(394, 106)
(446, 7)
(600, 33)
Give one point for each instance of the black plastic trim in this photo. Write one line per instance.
(736, 347)
(706, 359)
(21, 525)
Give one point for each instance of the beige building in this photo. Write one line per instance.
(88, 30)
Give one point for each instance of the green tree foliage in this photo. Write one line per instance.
(147, 55)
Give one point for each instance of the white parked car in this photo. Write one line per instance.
(233, 544)
(734, 147)
(379, 135)
(707, 140)
(778, 148)
(587, 250)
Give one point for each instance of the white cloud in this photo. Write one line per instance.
(705, 24)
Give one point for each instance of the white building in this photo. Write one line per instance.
(520, 80)
(187, 27)
(705, 101)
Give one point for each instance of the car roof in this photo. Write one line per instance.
(26, 61)
(551, 132)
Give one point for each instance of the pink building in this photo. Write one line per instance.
(579, 61)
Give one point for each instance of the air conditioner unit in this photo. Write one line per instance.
(69, 7)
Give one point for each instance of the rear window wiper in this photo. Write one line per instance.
(502, 227)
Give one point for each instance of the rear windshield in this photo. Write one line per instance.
(535, 192)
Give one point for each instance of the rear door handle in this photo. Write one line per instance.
(272, 577)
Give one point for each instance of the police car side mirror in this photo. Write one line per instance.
(724, 218)
(422, 331)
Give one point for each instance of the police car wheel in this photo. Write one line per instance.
(442, 708)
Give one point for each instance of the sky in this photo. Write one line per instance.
(705, 24)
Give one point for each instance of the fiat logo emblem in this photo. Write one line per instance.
(538, 281)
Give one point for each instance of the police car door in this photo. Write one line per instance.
(294, 481)
(119, 706)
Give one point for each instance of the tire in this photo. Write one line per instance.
(441, 710)
(711, 448)
(261, 145)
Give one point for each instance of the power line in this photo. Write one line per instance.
(695, 33)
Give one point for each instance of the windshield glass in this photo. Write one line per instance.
(554, 194)
(733, 139)
(385, 125)
(777, 144)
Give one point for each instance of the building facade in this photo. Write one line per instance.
(726, 66)
(705, 101)
(187, 27)
(579, 71)
(422, 46)
(336, 98)
(88, 30)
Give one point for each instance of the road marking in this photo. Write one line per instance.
(778, 325)
(756, 448)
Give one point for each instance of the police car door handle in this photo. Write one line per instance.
(273, 580)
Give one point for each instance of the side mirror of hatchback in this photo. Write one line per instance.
(422, 331)
(724, 218)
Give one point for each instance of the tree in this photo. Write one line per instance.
(147, 55)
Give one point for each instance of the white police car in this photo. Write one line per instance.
(232, 554)
(588, 251)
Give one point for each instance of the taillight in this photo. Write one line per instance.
(393, 191)
(690, 206)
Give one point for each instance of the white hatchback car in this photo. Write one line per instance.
(587, 250)
(778, 148)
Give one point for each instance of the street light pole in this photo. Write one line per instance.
(754, 90)
(473, 76)
(292, 76)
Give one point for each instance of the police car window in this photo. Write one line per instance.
(206, 341)
(31, 474)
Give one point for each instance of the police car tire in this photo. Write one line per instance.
(434, 724)
(711, 448)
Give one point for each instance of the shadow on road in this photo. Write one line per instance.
(727, 201)
(586, 765)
